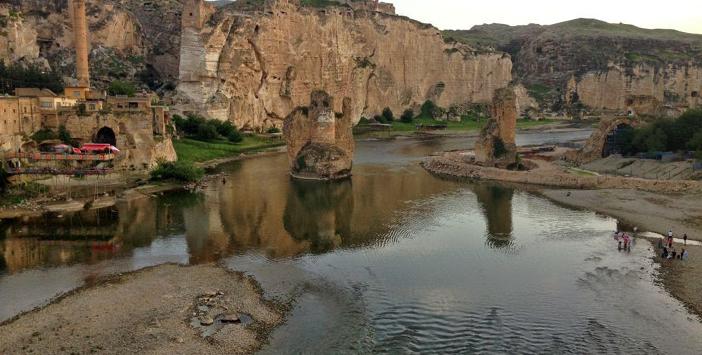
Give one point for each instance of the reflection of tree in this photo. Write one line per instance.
(496, 203)
(319, 213)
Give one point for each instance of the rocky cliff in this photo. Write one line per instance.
(255, 67)
(590, 64)
(130, 39)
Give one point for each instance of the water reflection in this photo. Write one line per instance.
(496, 204)
(319, 214)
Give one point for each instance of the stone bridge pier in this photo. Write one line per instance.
(320, 141)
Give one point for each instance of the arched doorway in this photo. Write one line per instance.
(106, 136)
(617, 140)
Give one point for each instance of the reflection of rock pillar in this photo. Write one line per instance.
(496, 203)
(80, 32)
(319, 214)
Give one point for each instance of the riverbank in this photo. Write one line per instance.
(651, 205)
(193, 151)
(546, 174)
(166, 309)
(463, 128)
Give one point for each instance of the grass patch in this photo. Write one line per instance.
(192, 151)
(466, 124)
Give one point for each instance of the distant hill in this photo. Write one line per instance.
(546, 57)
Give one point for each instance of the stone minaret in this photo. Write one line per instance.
(80, 31)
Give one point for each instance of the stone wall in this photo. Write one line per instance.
(254, 69)
(139, 147)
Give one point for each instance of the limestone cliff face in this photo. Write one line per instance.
(18, 38)
(643, 89)
(255, 68)
(610, 67)
(130, 39)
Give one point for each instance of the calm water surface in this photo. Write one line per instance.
(394, 260)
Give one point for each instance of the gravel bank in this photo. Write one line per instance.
(159, 310)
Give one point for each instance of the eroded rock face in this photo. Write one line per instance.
(254, 68)
(496, 145)
(129, 39)
(642, 90)
(320, 141)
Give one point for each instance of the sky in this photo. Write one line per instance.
(682, 15)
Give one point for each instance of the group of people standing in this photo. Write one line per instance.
(668, 250)
(624, 240)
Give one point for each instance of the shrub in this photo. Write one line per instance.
(407, 116)
(388, 115)
(363, 120)
(380, 118)
(119, 87)
(273, 130)
(65, 136)
(428, 109)
(43, 135)
(179, 171)
(206, 132)
(235, 136)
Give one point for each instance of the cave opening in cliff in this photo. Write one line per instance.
(106, 136)
(695, 94)
(617, 139)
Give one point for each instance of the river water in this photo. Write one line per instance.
(394, 260)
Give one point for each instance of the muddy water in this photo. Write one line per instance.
(393, 260)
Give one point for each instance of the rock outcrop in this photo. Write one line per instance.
(254, 68)
(496, 145)
(639, 90)
(320, 140)
(129, 39)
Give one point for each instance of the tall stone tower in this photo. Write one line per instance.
(80, 31)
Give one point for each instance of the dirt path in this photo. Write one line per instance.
(158, 310)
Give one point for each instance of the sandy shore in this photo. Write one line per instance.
(157, 310)
(657, 213)
(649, 211)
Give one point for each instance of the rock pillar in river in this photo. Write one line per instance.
(496, 145)
(320, 141)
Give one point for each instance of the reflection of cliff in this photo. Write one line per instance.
(319, 213)
(496, 203)
(252, 205)
(204, 230)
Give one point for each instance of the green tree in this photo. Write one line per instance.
(428, 109)
(206, 132)
(17, 76)
(407, 116)
(119, 87)
(388, 115)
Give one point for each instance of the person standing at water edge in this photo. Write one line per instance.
(685, 238)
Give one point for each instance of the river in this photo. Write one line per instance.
(393, 260)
